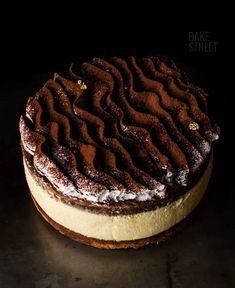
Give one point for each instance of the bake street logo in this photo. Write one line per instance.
(201, 42)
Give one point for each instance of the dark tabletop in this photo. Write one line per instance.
(33, 254)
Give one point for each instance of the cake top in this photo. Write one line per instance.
(118, 130)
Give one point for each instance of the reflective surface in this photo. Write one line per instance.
(33, 254)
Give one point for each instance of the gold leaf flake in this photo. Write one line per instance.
(193, 126)
(82, 85)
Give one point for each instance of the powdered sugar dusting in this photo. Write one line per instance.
(26, 138)
(182, 177)
(149, 194)
(30, 110)
(48, 169)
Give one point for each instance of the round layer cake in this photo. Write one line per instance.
(118, 152)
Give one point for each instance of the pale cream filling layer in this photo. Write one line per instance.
(121, 227)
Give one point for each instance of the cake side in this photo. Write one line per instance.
(118, 227)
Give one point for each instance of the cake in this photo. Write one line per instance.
(117, 153)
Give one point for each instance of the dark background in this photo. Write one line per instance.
(37, 40)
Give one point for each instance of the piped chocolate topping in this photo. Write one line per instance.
(118, 130)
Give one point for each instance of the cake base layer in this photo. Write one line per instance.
(121, 231)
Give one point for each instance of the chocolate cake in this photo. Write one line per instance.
(117, 152)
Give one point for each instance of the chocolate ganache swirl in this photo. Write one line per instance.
(118, 130)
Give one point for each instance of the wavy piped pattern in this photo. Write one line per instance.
(118, 130)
